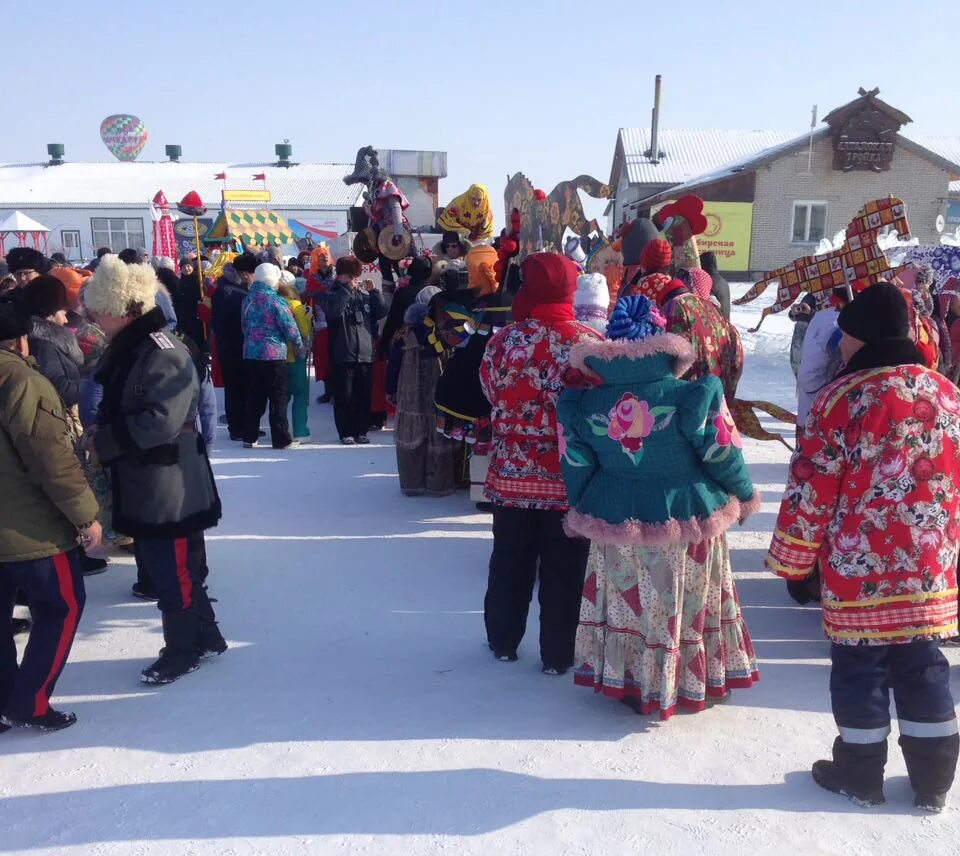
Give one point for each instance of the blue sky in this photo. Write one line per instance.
(501, 86)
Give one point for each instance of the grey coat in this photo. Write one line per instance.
(353, 318)
(162, 482)
(59, 356)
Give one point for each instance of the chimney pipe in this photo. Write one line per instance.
(655, 123)
(284, 150)
(174, 153)
(55, 150)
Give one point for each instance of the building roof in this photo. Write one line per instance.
(685, 153)
(17, 221)
(133, 185)
(943, 151)
(840, 115)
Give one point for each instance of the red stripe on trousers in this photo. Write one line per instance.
(61, 564)
(182, 552)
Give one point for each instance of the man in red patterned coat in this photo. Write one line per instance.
(874, 493)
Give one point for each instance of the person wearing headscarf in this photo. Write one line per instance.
(874, 497)
(425, 458)
(522, 375)
(715, 341)
(660, 622)
(470, 214)
(592, 300)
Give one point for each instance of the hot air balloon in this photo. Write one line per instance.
(124, 135)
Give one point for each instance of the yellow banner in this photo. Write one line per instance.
(247, 196)
(729, 229)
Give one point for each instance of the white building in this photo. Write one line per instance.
(92, 205)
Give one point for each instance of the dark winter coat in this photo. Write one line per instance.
(353, 316)
(45, 495)
(227, 318)
(59, 356)
(185, 302)
(721, 288)
(147, 434)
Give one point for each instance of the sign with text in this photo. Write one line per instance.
(728, 235)
(247, 196)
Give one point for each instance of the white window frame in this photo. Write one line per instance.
(118, 240)
(77, 251)
(808, 204)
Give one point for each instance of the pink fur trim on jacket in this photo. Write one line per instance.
(611, 349)
(634, 533)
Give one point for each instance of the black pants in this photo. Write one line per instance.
(524, 541)
(177, 569)
(234, 394)
(54, 590)
(352, 390)
(919, 675)
(268, 381)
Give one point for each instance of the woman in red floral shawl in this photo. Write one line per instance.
(522, 376)
(874, 494)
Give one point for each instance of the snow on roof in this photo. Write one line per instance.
(121, 185)
(944, 153)
(17, 221)
(689, 153)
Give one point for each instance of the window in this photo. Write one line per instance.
(809, 222)
(70, 238)
(117, 233)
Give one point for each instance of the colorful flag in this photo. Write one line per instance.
(260, 176)
(220, 176)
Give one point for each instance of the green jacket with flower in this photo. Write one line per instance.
(649, 459)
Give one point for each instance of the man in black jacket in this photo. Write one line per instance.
(353, 310)
(226, 315)
(146, 433)
(721, 288)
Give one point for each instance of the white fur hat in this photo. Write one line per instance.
(268, 274)
(592, 291)
(287, 278)
(119, 290)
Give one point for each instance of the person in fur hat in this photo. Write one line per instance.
(270, 332)
(591, 301)
(522, 377)
(25, 264)
(47, 508)
(164, 495)
(660, 622)
(874, 497)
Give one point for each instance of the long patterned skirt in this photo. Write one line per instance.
(663, 626)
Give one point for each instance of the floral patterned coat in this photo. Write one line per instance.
(716, 342)
(874, 493)
(268, 325)
(522, 376)
(650, 460)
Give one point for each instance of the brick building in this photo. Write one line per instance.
(775, 205)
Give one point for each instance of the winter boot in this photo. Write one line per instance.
(931, 765)
(91, 566)
(20, 625)
(180, 654)
(210, 641)
(52, 720)
(144, 591)
(855, 772)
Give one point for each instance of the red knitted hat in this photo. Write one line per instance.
(657, 255)
(548, 278)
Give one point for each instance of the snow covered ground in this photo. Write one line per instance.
(359, 711)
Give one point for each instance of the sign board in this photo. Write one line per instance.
(953, 216)
(186, 239)
(247, 196)
(728, 235)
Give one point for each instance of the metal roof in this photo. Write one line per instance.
(944, 156)
(687, 153)
(133, 185)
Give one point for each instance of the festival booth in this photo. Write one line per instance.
(251, 228)
(22, 227)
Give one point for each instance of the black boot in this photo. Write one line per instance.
(91, 566)
(180, 654)
(931, 765)
(52, 720)
(855, 772)
(210, 641)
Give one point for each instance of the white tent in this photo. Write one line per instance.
(20, 225)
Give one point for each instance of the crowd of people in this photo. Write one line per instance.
(598, 428)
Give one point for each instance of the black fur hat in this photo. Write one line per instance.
(14, 316)
(26, 258)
